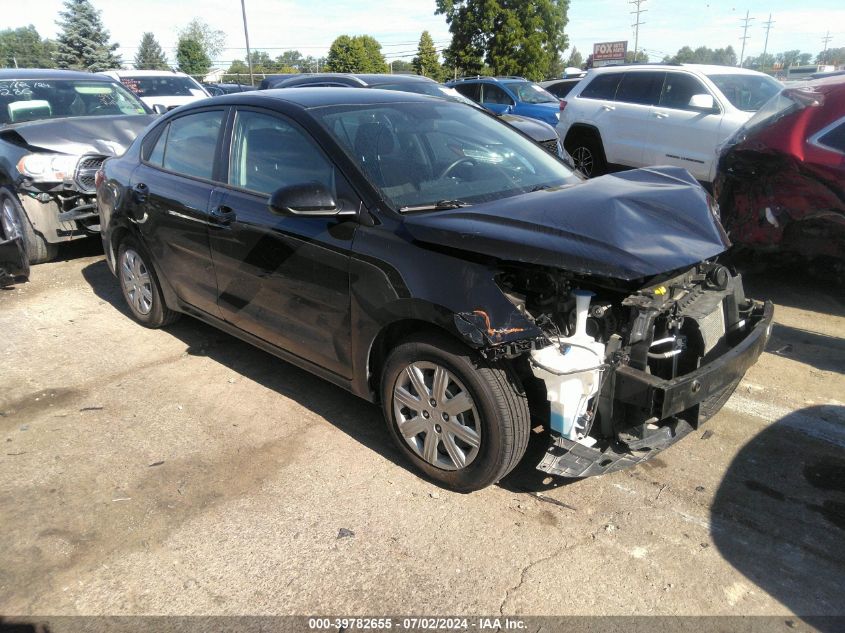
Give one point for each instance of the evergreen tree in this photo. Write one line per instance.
(191, 57)
(575, 59)
(83, 43)
(211, 40)
(426, 62)
(24, 48)
(150, 56)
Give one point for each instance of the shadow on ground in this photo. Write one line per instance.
(779, 513)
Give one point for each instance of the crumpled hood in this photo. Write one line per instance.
(625, 226)
(105, 135)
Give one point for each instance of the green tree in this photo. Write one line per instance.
(239, 72)
(704, 55)
(511, 37)
(292, 60)
(211, 40)
(575, 59)
(401, 66)
(24, 48)
(149, 55)
(426, 62)
(642, 57)
(83, 42)
(358, 54)
(835, 56)
(191, 57)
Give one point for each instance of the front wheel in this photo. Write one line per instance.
(14, 222)
(461, 420)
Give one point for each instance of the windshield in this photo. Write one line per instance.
(162, 86)
(419, 154)
(35, 99)
(528, 92)
(782, 104)
(746, 92)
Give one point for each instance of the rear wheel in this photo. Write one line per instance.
(587, 155)
(140, 286)
(14, 222)
(461, 420)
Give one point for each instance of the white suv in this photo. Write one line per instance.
(661, 114)
(166, 88)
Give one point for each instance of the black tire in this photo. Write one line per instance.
(587, 154)
(497, 396)
(140, 287)
(13, 219)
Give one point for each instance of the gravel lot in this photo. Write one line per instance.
(185, 472)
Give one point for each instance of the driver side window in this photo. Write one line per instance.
(269, 153)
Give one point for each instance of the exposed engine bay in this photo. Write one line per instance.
(612, 360)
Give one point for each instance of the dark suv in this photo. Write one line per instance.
(422, 255)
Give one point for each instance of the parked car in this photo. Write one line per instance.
(510, 95)
(660, 114)
(166, 88)
(560, 87)
(422, 255)
(56, 128)
(215, 90)
(542, 133)
(781, 177)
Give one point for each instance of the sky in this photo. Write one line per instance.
(310, 27)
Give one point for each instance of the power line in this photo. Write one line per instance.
(636, 25)
(744, 37)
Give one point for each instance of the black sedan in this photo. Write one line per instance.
(423, 255)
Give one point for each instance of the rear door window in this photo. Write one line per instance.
(602, 87)
(470, 91)
(190, 144)
(678, 89)
(642, 88)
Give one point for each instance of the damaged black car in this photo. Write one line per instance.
(425, 256)
(56, 128)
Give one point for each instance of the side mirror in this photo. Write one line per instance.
(509, 109)
(159, 108)
(703, 103)
(310, 198)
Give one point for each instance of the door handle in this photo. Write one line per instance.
(140, 193)
(661, 115)
(223, 215)
(608, 108)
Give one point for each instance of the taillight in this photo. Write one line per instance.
(562, 105)
(99, 178)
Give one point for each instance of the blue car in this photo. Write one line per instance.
(512, 95)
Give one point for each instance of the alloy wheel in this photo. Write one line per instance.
(583, 159)
(436, 416)
(136, 281)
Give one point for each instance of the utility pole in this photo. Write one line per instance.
(246, 37)
(744, 37)
(826, 39)
(768, 26)
(636, 25)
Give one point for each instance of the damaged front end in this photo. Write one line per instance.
(627, 374)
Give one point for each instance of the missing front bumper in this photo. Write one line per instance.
(708, 388)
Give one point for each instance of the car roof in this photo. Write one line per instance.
(706, 69)
(308, 97)
(49, 73)
(143, 73)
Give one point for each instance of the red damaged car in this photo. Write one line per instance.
(781, 177)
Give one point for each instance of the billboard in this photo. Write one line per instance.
(606, 51)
